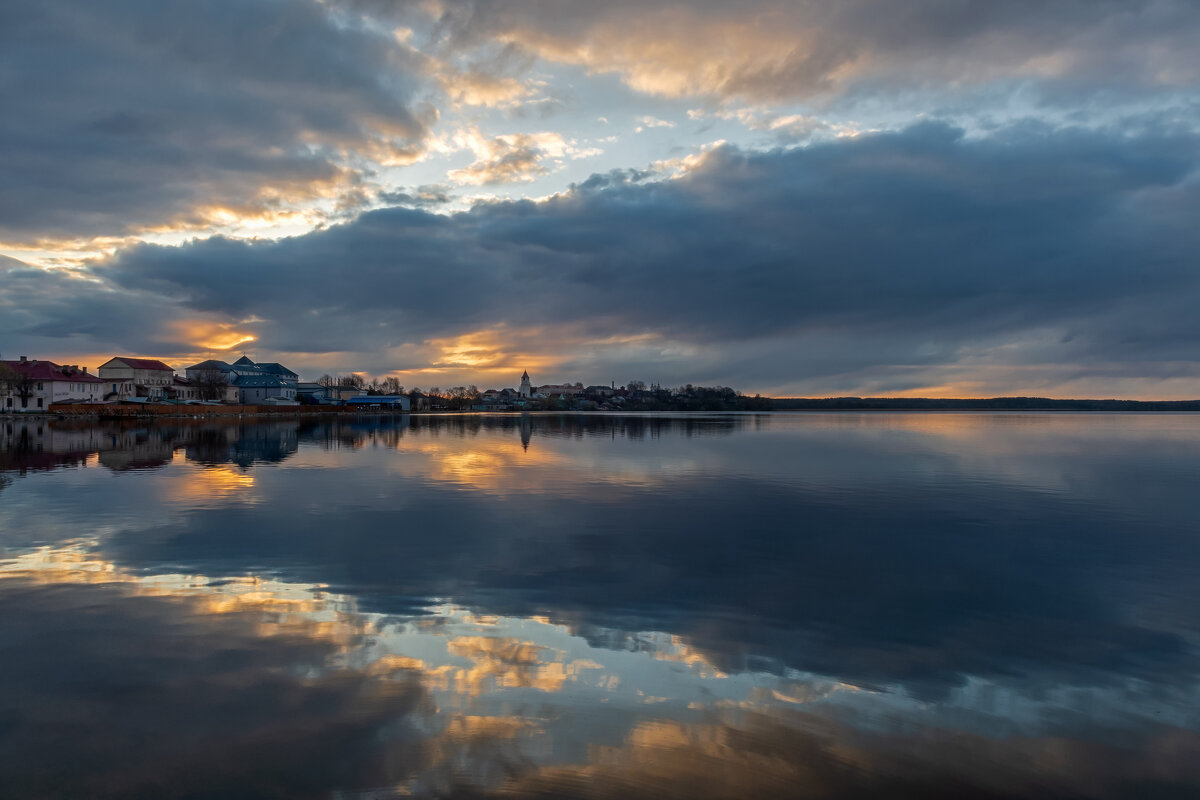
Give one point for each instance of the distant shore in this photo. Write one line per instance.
(975, 404)
(117, 411)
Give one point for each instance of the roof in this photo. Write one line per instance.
(244, 361)
(212, 363)
(269, 381)
(140, 363)
(49, 371)
(276, 369)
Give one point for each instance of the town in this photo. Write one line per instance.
(35, 385)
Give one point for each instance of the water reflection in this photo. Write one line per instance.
(819, 605)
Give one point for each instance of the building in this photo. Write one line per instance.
(126, 378)
(182, 389)
(261, 389)
(526, 389)
(393, 401)
(315, 394)
(32, 385)
(566, 391)
(273, 368)
(244, 381)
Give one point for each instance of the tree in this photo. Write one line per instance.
(327, 380)
(352, 381)
(636, 386)
(210, 384)
(8, 377)
(18, 383)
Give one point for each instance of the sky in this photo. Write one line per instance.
(929, 198)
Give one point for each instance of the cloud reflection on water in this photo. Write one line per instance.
(881, 598)
(293, 692)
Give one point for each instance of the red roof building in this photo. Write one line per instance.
(127, 377)
(32, 385)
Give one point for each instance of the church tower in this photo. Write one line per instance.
(526, 390)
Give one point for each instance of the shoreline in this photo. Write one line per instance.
(239, 412)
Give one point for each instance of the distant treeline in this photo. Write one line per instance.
(694, 398)
(991, 404)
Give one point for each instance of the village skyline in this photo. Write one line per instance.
(39, 385)
(797, 199)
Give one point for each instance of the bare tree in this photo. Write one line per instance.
(210, 384)
(17, 383)
(461, 397)
(327, 380)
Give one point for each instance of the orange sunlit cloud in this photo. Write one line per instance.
(211, 335)
(487, 352)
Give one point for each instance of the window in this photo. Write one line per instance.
(39, 402)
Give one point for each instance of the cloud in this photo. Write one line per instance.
(773, 49)
(787, 128)
(145, 115)
(419, 197)
(647, 122)
(475, 88)
(508, 158)
(1031, 258)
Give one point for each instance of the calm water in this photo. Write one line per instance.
(842, 605)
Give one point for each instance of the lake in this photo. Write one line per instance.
(925, 605)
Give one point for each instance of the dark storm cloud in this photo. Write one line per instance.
(70, 310)
(889, 249)
(119, 116)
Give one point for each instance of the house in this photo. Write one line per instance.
(184, 390)
(566, 391)
(127, 378)
(315, 393)
(244, 381)
(272, 368)
(32, 385)
(262, 389)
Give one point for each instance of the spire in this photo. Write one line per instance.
(525, 375)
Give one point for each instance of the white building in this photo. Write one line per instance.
(136, 377)
(32, 385)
